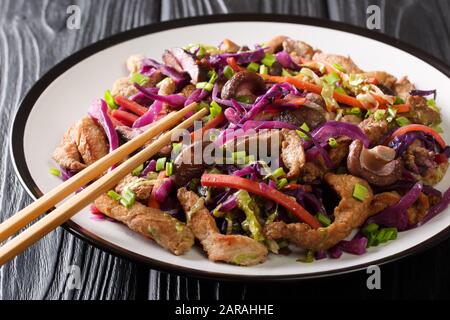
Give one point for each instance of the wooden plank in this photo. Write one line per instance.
(33, 37)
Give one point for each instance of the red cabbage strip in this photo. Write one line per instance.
(143, 99)
(252, 124)
(286, 61)
(261, 103)
(232, 116)
(396, 215)
(174, 100)
(229, 204)
(332, 129)
(423, 93)
(437, 208)
(312, 141)
(150, 116)
(178, 77)
(196, 96)
(163, 191)
(355, 246)
(99, 111)
(151, 166)
(220, 60)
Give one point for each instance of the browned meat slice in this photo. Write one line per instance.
(312, 171)
(134, 62)
(292, 152)
(349, 214)
(140, 186)
(256, 143)
(403, 87)
(350, 118)
(298, 50)
(383, 200)
(374, 129)
(383, 78)
(128, 133)
(236, 249)
(153, 223)
(124, 87)
(66, 154)
(91, 140)
(228, 46)
(345, 62)
(83, 144)
(420, 112)
(275, 44)
(187, 90)
(183, 61)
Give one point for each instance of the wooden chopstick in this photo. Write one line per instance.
(62, 191)
(74, 204)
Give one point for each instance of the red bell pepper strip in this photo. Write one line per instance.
(125, 117)
(233, 64)
(311, 87)
(213, 123)
(418, 127)
(222, 180)
(130, 105)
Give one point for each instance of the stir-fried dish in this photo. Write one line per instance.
(344, 158)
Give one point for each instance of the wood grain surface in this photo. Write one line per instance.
(34, 37)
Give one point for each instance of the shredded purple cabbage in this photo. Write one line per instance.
(423, 93)
(99, 112)
(175, 100)
(286, 61)
(196, 96)
(220, 60)
(401, 143)
(151, 166)
(163, 191)
(396, 215)
(179, 78)
(150, 116)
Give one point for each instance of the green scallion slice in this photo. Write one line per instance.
(113, 195)
(110, 100)
(268, 60)
(263, 69)
(402, 121)
(214, 109)
(169, 168)
(360, 192)
(332, 142)
(128, 198)
(161, 164)
(253, 66)
(54, 172)
(282, 183)
(139, 78)
(228, 72)
(244, 99)
(137, 171)
(323, 219)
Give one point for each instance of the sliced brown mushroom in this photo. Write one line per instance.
(377, 165)
(183, 61)
(275, 44)
(243, 83)
(228, 46)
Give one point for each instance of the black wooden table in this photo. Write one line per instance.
(34, 37)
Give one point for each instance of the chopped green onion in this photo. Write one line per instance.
(399, 100)
(213, 76)
(128, 198)
(305, 127)
(268, 60)
(113, 195)
(282, 183)
(372, 240)
(331, 78)
(402, 121)
(244, 99)
(308, 258)
(332, 142)
(390, 234)
(253, 66)
(54, 172)
(392, 113)
(160, 164)
(379, 115)
(340, 90)
(263, 69)
(139, 78)
(137, 171)
(169, 168)
(360, 192)
(278, 173)
(228, 72)
(323, 219)
(214, 109)
(371, 228)
(432, 104)
(355, 111)
(176, 148)
(204, 85)
(285, 73)
(110, 100)
(380, 236)
(339, 67)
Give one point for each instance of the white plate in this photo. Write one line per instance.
(63, 95)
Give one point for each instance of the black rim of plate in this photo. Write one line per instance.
(20, 120)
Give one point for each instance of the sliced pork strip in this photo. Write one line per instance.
(66, 154)
(91, 140)
(331, 59)
(292, 152)
(374, 129)
(235, 249)
(139, 186)
(349, 214)
(167, 231)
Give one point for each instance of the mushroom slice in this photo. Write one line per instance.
(228, 46)
(243, 83)
(275, 44)
(349, 214)
(377, 165)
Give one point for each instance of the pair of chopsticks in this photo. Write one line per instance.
(82, 199)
